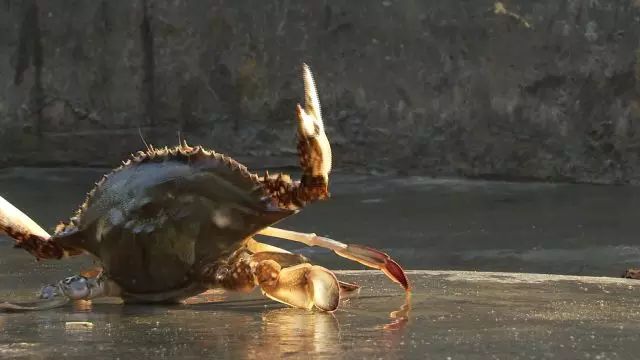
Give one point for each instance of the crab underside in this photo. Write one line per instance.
(172, 223)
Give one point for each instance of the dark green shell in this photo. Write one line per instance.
(156, 220)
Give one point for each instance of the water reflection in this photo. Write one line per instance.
(294, 331)
(82, 306)
(239, 329)
(400, 318)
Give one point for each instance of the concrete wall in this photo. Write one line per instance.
(544, 89)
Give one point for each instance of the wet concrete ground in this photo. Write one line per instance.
(453, 315)
(424, 224)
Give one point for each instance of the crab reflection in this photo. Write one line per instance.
(295, 332)
(290, 331)
(229, 328)
(400, 317)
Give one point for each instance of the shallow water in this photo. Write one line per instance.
(452, 315)
(422, 223)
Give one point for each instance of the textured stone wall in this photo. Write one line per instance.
(520, 89)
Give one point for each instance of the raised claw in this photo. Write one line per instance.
(376, 259)
(314, 148)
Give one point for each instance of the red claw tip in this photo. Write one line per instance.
(395, 272)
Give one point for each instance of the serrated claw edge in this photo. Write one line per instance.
(311, 100)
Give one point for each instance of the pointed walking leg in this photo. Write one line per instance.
(365, 255)
(347, 289)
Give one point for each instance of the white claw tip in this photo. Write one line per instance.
(311, 101)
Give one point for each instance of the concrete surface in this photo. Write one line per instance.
(452, 315)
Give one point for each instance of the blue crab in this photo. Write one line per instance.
(172, 223)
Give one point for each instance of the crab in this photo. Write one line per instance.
(172, 223)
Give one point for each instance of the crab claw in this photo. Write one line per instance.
(305, 286)
(313, 145)
(310, 118)
(376, 259)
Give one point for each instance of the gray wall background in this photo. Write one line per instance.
(520, 89)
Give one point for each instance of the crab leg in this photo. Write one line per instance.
(77, 287)
(364, 255)
(256, 247)
(27, 233)
(13, 221)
